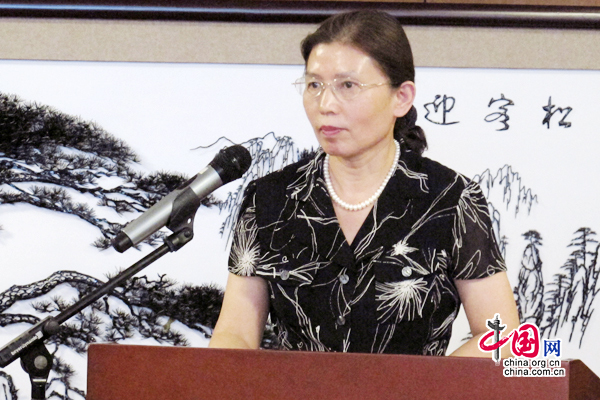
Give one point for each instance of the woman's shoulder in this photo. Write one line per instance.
(439, 176)
(289, 174)
(273, 186)
(270, 193)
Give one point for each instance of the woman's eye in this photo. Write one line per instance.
(313, 85)
(349, 85)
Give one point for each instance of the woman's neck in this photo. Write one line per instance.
(356, 179)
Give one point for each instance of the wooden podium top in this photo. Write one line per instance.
(156, 372)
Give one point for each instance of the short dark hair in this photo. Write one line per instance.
(381, 36)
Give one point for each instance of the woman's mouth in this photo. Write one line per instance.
(328, 130)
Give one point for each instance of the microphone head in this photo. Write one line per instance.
(121, 242)
(231, 163)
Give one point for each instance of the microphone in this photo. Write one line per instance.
(228, 165)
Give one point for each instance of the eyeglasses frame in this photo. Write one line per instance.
(301, 82)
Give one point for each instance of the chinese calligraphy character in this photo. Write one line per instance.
(552, 347)
(501, 116)
(441, 107)
(525, 341)
(550, 113)
(523, 344)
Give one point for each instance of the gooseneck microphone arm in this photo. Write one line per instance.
(29, 346)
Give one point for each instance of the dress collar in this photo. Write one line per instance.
(309, 217)
(409, 180)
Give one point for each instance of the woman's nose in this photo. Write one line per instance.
(328, 100)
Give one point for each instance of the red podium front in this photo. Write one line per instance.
(118, 372)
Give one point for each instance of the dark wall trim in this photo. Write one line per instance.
(307, 12)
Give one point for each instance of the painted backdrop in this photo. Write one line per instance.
(86, 147)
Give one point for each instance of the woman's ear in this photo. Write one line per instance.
(404, 97)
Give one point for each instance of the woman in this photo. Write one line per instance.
(367, 247)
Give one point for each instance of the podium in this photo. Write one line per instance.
(123, 372)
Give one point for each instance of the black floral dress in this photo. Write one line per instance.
(392, 290)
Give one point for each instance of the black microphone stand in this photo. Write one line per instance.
(35, 358)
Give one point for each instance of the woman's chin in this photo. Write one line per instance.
(331, 147)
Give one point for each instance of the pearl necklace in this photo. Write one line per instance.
(370, 200)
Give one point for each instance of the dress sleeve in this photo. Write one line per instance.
(475, 253)
(245, 248)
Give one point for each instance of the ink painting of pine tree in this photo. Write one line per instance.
(55, 161)
(60, 163)
(529, 292)
(570, 302)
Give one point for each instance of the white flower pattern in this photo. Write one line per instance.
(401, 299)
(401, 248)
(245, 251)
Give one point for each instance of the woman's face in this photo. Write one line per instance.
(351, 128)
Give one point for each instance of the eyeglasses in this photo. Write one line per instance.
(342, 88)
